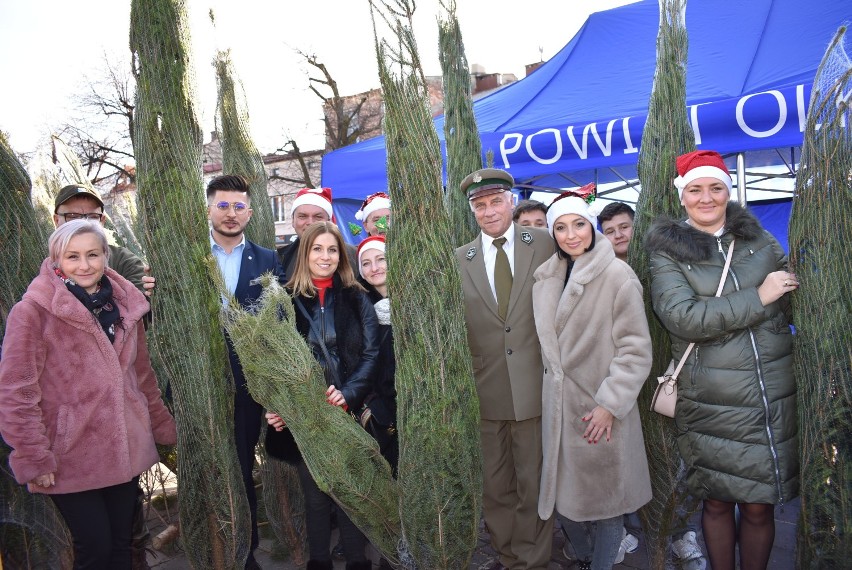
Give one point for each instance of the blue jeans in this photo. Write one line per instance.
(597, 541)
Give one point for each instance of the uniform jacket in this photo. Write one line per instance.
(71, 402)
(736, 409)
(597, 352)
(256, 261)
(506, 355)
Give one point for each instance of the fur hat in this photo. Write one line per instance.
(701, 164)
(320, 197)
(373, 202)
(581, 202)
(372, 242)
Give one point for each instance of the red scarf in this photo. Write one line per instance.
(322, 285)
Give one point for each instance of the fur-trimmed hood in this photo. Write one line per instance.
(684, 243)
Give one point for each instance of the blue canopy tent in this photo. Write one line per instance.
(579, 117)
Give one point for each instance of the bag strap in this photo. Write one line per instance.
(317, 334)
(718, 293)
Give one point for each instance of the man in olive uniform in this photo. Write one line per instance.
(497, 278)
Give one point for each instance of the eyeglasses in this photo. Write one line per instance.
(69, 216)
(239, 207)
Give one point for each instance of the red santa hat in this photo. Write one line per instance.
(372, 242)
(580, 201)
(320, 197)
(373, 202)
(701, 164)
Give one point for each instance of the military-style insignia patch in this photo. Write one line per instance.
(471, 253)
(477, 177)
(526, 237)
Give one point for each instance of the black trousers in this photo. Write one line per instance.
(318, 507)
(247, 424)
(100, 521)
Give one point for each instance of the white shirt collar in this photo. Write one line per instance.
(214, 245)
(488, 241)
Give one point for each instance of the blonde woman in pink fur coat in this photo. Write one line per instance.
(79, 403)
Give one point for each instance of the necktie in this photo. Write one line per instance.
(502, 278)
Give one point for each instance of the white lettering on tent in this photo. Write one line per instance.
(800, 107)
(556, 156)
(505, 151)
(627, 140)
(782, 115)
(606, 149)
(693, 119)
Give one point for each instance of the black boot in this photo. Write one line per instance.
(320, 565)
(363, 565)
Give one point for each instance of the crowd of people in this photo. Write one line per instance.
(560, 348)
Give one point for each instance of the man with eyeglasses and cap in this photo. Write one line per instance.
(78, 202)
(241, 262)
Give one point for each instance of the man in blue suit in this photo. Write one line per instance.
(241, 263)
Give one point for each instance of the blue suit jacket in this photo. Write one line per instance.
(256, 261)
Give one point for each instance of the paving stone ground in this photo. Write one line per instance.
(783, 553)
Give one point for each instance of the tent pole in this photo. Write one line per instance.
(741, 178)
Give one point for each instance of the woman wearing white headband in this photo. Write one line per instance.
(591, 323)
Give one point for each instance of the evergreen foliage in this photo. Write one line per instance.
(239, 154)
(284, 505)
(821, 258)
(185, 334)
(282, 491)
(464, 149)
(46, 181)
(666, 135)
(31, 530)
(22, 240)
(437, 407)
(283, 375)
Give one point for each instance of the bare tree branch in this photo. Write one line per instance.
(100, 131)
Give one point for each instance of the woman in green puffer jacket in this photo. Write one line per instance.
(736, 408)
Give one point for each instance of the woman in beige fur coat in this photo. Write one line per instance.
(594, 338)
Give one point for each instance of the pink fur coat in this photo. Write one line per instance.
(71, 402)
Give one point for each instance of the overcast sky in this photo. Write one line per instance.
(48, 47)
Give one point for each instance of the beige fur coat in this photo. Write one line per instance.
(597, 352)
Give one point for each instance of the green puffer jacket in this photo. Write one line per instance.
(736, 408)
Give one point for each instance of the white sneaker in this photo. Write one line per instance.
(688, 553)
(629, 544)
